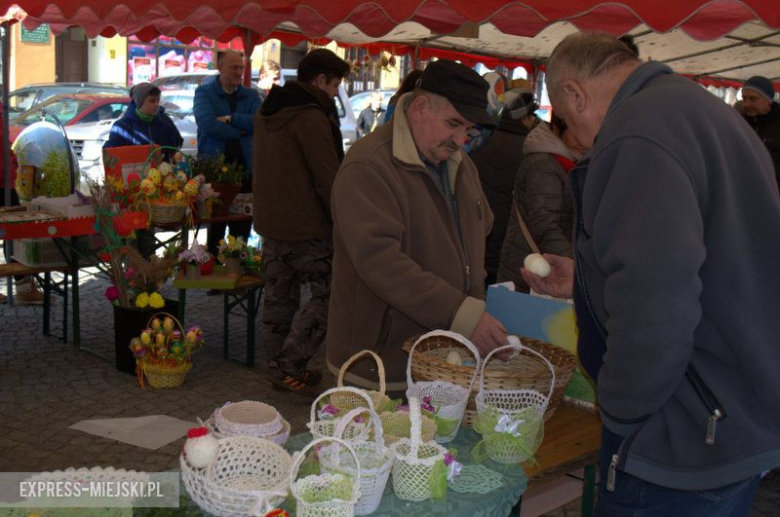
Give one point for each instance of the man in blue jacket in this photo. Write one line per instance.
(224, 111)
(675, 281)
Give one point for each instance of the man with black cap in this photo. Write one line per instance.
(763, 115)
(298, 149)
(410, 221)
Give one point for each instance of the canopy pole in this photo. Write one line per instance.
(250, 40)
(5, 41)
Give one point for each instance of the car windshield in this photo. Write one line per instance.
(21, 101)
(65, 109)
(177, 102)
(180, 82)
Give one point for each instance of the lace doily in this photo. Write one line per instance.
(476, 479)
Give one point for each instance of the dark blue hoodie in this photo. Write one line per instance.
(131, 130)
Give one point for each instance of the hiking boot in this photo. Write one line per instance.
(303, 384)
(27, 292)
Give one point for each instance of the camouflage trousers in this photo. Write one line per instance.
(291, 341)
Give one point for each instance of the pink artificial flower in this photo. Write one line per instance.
(448, 458)
(112, 293)
(330, 410)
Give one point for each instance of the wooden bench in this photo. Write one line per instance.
(572, 438)
(14, 269)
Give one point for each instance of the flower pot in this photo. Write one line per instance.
(193, 272)
(232, 266)
(203, 209)
(128, 323)
(227, 193)
(207, 267)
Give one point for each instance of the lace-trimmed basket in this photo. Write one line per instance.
(397, 425)
(448, 398)
(249, 477)
(321, 426)
(346, 401)
(375, 461)
(415, 460)
(524, 371)
(249, 418)
(335, 490)
(514, 404)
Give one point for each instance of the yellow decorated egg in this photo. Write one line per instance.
(153, 175)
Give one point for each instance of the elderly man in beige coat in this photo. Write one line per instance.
(410, 221)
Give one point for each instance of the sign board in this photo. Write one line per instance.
(39, 35)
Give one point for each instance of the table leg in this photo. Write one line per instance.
(251, 314)
(75, 302)
(46, 303)
(65, 280)
(589, 491)
(225, 322)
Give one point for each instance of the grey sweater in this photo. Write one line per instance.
(677, 250)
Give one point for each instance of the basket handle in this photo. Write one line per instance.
(415, 433)
(380, 368)
(350, 389)
(379, 438)
(516, 344)
(454, 335)
(299, 457)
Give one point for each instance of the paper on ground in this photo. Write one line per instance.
(149, 432)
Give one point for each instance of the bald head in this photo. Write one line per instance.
(583, 74)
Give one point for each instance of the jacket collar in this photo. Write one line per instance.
(404, 148)
(644, 73)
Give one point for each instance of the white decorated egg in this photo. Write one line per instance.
(535, 263)
(454, 358)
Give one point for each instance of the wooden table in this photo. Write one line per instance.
(572, 438)
(244, 295)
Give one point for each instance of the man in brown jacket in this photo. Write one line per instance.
(297, 151)
(410, 221)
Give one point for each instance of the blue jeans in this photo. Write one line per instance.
(633, 497)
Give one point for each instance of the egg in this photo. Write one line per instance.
(535, 263)
(454, 358)
(165, 169)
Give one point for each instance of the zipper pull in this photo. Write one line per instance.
(712, 421)
(468, 271)
(611, 473)
(479, 208)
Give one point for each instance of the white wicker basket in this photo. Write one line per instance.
(248, 418)
(279, 438)
(335, 490)
(521, 410)
(415, 461)
(249, 477)
(449, 399)
(374, 457)
(347, 401)
(324, 428)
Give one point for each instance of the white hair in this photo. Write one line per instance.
(584, 56)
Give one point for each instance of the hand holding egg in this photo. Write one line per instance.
(535, 263)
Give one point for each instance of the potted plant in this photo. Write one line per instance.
(135, 281)
(192, 259)
(232, 252)
(225, 179)
(254, 264)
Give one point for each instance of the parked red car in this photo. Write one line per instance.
(72, 109)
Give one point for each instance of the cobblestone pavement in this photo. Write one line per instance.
(46, 386)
